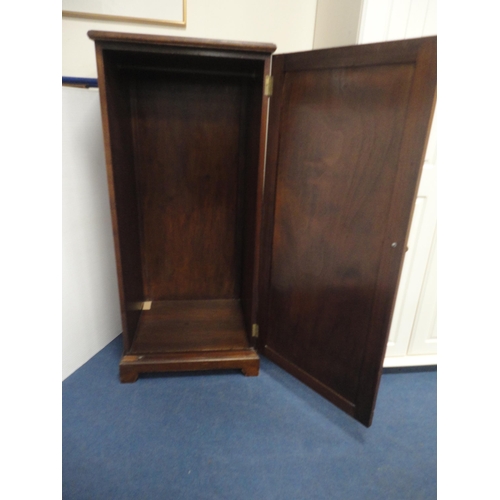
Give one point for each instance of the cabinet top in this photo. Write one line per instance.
(113, 36)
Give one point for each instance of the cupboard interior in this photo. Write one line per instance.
(185, 133)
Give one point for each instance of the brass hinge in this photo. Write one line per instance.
(268, 86)
(139, 306)
(255, 330)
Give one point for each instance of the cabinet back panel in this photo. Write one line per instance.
(189, 159)
(338, 161)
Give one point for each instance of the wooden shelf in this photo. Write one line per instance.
(191, 326)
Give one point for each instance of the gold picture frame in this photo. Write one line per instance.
(129, 19)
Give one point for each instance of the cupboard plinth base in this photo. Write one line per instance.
(245, 360)
(250, 371)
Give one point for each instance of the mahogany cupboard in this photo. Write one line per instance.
(237, 235)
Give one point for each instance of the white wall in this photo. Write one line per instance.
(90, 307)
(337, 23)
(348, 22)
(287, 23)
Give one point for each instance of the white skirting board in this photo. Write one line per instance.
(402, 361)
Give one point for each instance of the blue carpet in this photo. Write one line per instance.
(225, 436)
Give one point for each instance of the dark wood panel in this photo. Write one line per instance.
(202, 43)
(373, 54)
(269, 198)
(116, 115)
(189, 160)
(411, 158)
(340, 172)
(246, 360)
(338, 162)
(255, 136)
(181, 61)
(185, 123)
(326, 391)
(191, 325)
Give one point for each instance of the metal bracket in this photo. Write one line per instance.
(255, 330)
(268, 86)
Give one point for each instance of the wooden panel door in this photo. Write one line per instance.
(348, 130)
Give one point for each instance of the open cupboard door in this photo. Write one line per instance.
(348, 129)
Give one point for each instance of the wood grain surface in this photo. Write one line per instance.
(184, 124)
(117, 130)
(189, 164)
(191, 326)
(333, 192)
(185, 42)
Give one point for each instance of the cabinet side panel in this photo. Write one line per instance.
(115, 103)
(254, 165)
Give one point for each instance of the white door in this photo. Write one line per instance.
(413, 335)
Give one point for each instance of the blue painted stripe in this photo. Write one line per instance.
(88, 82)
